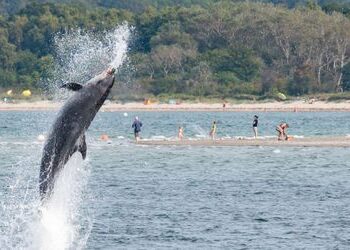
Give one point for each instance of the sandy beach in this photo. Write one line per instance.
(292, 106)
(321, 141)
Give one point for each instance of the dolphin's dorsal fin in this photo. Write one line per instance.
(72, 86)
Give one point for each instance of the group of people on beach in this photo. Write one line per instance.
(281, 129)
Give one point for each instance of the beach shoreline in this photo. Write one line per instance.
(293, 106)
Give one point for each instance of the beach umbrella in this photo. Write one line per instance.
(9, 92)
(26, 93)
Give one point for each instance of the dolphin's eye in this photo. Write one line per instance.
(100, 81)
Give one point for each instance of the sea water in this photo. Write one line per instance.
(128, 196)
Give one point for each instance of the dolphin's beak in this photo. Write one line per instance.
(111, 71)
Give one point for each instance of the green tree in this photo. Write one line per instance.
(7, 51)
(241, 62)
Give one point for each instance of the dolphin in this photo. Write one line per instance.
(67, 134)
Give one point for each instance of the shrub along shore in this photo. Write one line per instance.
(213, 48)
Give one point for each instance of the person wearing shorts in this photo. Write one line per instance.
(137, 124)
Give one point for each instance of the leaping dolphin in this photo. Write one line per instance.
(67, 134)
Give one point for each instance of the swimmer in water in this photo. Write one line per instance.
(104, 137)
(281, 129)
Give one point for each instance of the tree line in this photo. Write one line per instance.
(223, 49)
(137, 6)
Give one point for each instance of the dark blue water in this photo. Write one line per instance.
(151, 197)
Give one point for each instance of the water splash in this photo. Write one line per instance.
(63, 224)
(80, 55)
(119, 43)
(200, 132)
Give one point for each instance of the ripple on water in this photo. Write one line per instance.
(190, 197)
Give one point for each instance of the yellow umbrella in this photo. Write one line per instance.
(26, 93)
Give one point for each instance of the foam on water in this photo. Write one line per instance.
(159, 137)
(200, 132)
(298, 136)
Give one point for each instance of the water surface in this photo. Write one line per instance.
(151, 197)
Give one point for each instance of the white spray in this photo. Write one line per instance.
(60, 225)
(82, 55)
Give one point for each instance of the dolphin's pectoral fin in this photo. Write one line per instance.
(82, 147)
(72, 86)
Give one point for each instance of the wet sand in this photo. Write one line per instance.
(273, 142)
(290, 106)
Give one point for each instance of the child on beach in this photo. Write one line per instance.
(213, 130)
(281, 129)
(180, 134)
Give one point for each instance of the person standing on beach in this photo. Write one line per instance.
(255, 126)
(180, 134)
(137, 124)
(213, 130)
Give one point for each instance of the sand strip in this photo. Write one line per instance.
(296, 106)
(300, 142)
